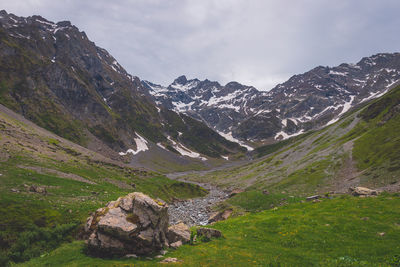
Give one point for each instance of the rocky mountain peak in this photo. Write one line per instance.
(180, 80)
(306, 101)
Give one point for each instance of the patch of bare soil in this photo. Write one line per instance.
(348, 176)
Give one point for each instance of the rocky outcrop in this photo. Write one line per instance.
(220, 216)
(169, 260)
(208, 232)
(38, 189)
(134, 224)
(178, 232)
(362, 191)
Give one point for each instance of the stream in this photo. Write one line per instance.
(196, 211)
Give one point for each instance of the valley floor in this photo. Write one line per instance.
(344, 231)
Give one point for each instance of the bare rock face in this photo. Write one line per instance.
(134, 224)
(178, 232)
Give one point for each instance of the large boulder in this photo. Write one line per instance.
(134, 224)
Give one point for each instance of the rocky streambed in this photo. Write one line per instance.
(196, 211)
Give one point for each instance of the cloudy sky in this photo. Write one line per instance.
(255, 42)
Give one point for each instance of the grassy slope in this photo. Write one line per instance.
(338, 232)
(33, 156)
(362, 148)
(377, 150)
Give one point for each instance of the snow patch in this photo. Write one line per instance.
(160, 145)
(228, 136)
(286, 136)
(141, 145)
(338, 73)
(182, 107)
(184, 151)
(346, 107)
(185, 87)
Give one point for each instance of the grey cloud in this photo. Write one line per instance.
(259, 43)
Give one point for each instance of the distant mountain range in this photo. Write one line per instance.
(306, 101)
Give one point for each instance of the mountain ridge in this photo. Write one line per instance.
(305, 101)
(55, 76)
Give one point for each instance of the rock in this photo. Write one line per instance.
(362, 191)
(265, 192)
(130, 256)
(176, 244)
(381, 234)
(163, 252)
(178, 232)
(196, 211)
(38, 189)
(159, 256)
(14, 190)
(208, 232)
(169, 260)
(115, 223)
(134, 224)
(235, 192)
(313, 197)
(316, 200)
(220, 216)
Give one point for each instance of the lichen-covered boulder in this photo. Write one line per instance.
(134, 224)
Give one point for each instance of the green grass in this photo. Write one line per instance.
(307, 179)
(338, 232)
(256, 201)
(68, 201)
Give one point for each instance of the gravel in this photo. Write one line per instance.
(196, 211)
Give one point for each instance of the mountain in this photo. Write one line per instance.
(306, 101)
(360, 149)
(53, 75)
